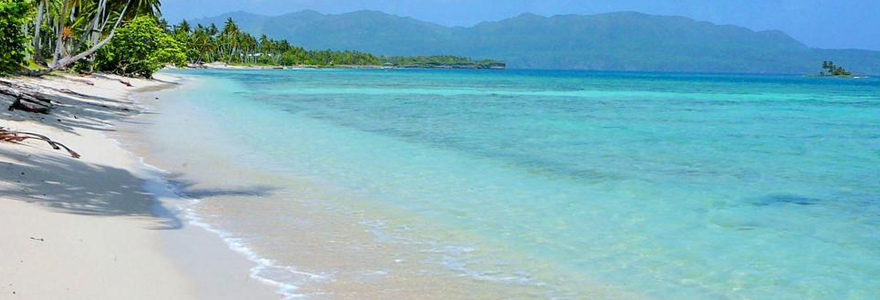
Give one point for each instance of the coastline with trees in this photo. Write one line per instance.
(43, 36)
(208, 45)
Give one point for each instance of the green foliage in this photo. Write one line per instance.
(833, 70)
(140, 48)
(84, 65)
(230, 45)
(233, 46)
(13, 42)
(439, 61)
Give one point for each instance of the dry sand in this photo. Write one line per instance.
(84, 228)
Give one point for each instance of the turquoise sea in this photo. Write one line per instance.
(545, 184)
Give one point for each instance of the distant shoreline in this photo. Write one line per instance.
(224, 66)
(840, 76)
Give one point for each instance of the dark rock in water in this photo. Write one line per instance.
(784, 199)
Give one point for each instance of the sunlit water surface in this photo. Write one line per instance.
(568, 184)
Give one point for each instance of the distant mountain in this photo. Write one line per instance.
(625, 41)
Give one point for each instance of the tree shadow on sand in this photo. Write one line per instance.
(74, 107)
(72, 186)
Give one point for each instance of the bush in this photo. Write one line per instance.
(13, 43)
(140, 48)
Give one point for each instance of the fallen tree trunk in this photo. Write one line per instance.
(27, 101)
(29, 106)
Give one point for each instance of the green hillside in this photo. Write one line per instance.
(614, 41)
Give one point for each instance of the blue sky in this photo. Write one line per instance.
(818, 23)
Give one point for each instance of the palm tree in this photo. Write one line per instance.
(146, 8)
(85, 21)
(203, 44)
(229, 38)
(38, 25)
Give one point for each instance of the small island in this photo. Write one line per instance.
(441, 62)
(832, 70)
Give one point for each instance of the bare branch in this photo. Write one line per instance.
(20, 136)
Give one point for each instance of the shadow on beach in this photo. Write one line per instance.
(75, 107)
(187, 188)
(72, 186)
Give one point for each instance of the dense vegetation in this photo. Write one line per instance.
(140, 48)
(614, 41)
(127, 37)
(439, 61)
(208, 44)
(231, 45)
(54, 34)
(13, 43)
(833, 70)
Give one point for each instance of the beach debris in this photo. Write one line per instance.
(83, 81)
(126, 83)
(71, 92)
(10, 136)
(38, 239)
(29, 106)
(29, 101)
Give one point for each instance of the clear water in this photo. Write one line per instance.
(664, 186)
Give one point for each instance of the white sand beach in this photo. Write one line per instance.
(84, 228)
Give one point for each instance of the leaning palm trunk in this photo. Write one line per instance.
(61, 59)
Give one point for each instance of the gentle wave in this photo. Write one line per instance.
(286, 279)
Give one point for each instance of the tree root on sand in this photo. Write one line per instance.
(19, 136)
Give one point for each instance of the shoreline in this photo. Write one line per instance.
(224, 66)
(318, 236)
(215, 245)
(99, 227)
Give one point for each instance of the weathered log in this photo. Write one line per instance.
(37, 98)
(27, 101)
(29, 106)
(16, 90)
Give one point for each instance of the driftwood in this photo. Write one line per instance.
(71, 92)
(83, 81)
(126, 83)
(29, 106)
(16, 89)
(19, 136)
(27, 101)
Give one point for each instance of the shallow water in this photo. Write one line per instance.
(535, 184)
